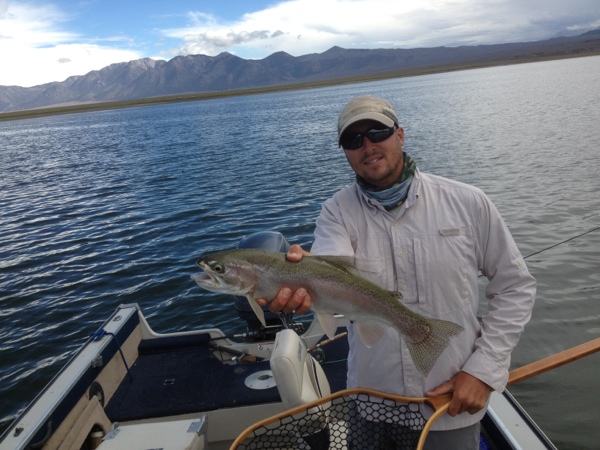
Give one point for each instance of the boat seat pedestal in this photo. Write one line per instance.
(299, 377)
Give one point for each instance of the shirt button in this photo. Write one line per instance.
(400, 253)
(403, 287)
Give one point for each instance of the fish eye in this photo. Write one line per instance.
(217, 267)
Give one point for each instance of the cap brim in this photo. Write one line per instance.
(371, 115)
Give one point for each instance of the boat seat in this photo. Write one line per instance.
(299, 377)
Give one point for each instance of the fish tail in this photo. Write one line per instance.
(425, 352)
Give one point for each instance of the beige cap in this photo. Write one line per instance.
(366, 108)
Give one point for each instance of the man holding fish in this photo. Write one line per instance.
(427, 238)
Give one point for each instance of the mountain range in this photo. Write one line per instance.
(182, 75)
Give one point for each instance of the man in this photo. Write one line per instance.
(427, 237)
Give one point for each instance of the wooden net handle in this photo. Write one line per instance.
(442, 403)
(551, 362)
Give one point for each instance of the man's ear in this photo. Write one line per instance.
(400, 133)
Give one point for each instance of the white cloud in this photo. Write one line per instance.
(307, 26)
(298, 27)
(35, 49)
(32, 25)
(57, 63)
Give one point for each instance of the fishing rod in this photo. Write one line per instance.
(556, 245)
(562, 242)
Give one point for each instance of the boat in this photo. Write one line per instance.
(129, 387)
(192, 390)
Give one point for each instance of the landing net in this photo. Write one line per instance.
(349, 419)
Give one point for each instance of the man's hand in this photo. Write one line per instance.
(286, 300)
(469, 394)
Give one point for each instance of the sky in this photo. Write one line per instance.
(49, 40)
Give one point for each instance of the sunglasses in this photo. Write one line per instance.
(353, 141)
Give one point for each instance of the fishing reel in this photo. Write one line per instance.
(268, 333)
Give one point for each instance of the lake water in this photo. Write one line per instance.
(104, 208)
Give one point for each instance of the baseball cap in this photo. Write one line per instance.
(366, 108)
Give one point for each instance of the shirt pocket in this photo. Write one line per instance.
(371, 269)
(443, 261)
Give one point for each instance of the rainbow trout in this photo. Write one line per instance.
(334, 288)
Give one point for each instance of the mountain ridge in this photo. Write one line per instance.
(193, 74)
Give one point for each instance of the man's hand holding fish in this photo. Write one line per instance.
(288, 301)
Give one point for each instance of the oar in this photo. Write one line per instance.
(441, 404)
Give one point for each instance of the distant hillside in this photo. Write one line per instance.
(182, 75)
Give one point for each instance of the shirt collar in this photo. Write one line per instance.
(413, 193)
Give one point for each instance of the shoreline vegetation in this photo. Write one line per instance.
(190, 97)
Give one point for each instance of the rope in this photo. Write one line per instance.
(100, 334)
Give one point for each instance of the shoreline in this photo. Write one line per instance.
(150, 101)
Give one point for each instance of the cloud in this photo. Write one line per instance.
(36, 48)
(307, 26)
(33, 25)
(216, 43)
(204, 34)
(3, 7)
(57, 63)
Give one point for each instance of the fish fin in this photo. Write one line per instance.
(425, 352)
(328, 323)
(257, 310)
(370, 332)
(344, 263)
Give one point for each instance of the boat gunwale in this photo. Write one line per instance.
(70, 383)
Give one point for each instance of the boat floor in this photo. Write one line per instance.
(181, 375)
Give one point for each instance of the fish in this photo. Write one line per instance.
(335, 288)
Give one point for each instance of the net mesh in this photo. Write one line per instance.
(351, 420)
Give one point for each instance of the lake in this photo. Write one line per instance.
(105, 208)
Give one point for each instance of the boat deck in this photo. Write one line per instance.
(181, 375)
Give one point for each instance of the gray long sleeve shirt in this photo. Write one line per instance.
(431, 250)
